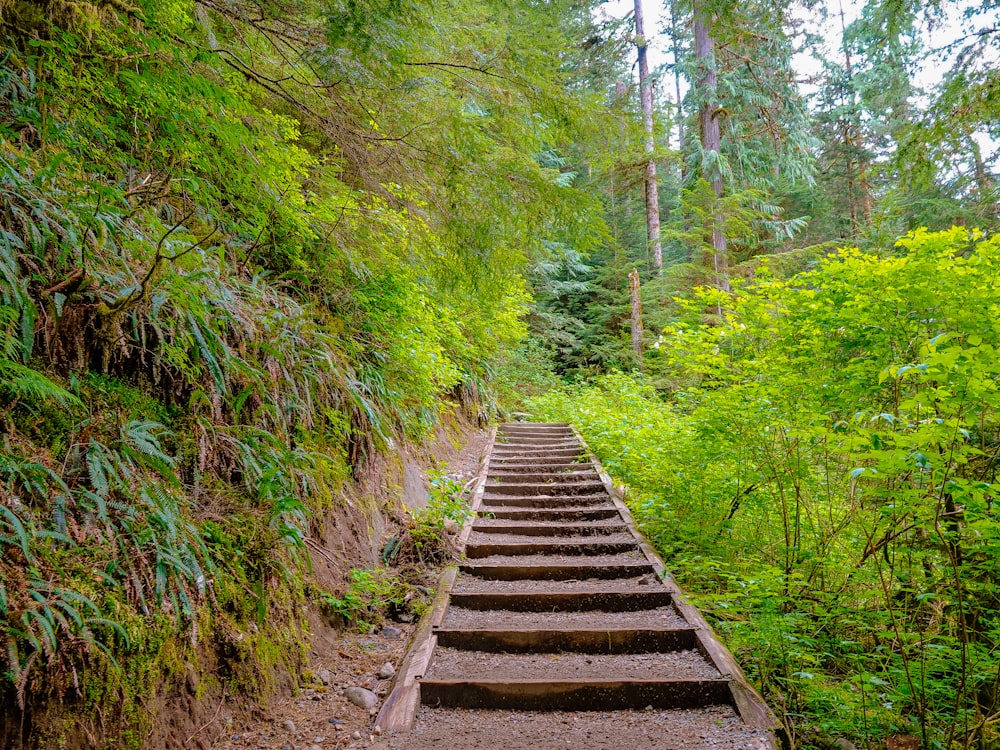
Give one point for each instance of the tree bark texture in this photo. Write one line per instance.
(636, 300)
(711, 136)
(860, 195)
(646, 100)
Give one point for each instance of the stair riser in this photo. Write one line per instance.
(581, 641)
(570, 529)
(564, 601)
(548, 477)
(556, 572)
(522, 456)
(518, 466)
(474, 552)
(575, 696)
(563, 489)
(537, 442)
(516, 501)
(568, 515)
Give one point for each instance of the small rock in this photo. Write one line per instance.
(357, 735)
(336, 722)
(451, 527)
(361, 697)
(325, 676)
(312, 747)
(386, 671)
(406, 617)
(841, 744)
(377, 730)
(286, 747)
(288, 725)
(391, 633)
(319, 740)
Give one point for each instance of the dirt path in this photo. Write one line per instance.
(560, 634)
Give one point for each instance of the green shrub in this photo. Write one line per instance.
(819, 468)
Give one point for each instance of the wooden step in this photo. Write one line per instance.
(529, 445)
(552, 513)
(564, 601)
(575, 695)
(545, 501)
(582, 549)
(592, 528)
(541, 477)
(575, 571)
(563, 488)
(580, 640)
(519, 464)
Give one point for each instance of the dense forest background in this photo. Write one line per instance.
(249, 246)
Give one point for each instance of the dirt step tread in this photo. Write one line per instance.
(710, 728)
(560, 486)
(570, 694)
(470, 584)
(659, 617)
(478, 537)
(458, 664)
(582, 548)
(539, 477)
(552, 513)
(647, 597)
(573, 568)
(541, 502)
(601, 528)
(591, 561)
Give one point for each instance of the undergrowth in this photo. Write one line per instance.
(427, 538)
(820, 469)
(214, 311)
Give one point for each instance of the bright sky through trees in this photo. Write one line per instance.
(939, 36)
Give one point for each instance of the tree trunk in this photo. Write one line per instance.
(859, 193)
(675, 49)
(646, 99)
(711, 137)
(635, 298)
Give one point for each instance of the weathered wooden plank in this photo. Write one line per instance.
(574, 695)
(565, 601)
(580, 640)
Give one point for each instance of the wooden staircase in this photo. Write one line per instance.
(561, 606)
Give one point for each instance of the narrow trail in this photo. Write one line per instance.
(560, 629)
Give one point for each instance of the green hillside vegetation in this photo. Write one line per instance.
(819, 468)
(244, 247)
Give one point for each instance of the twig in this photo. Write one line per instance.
(211, 721)
(74, 278)
(321, 551)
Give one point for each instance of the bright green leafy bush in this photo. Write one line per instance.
(820, 468)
